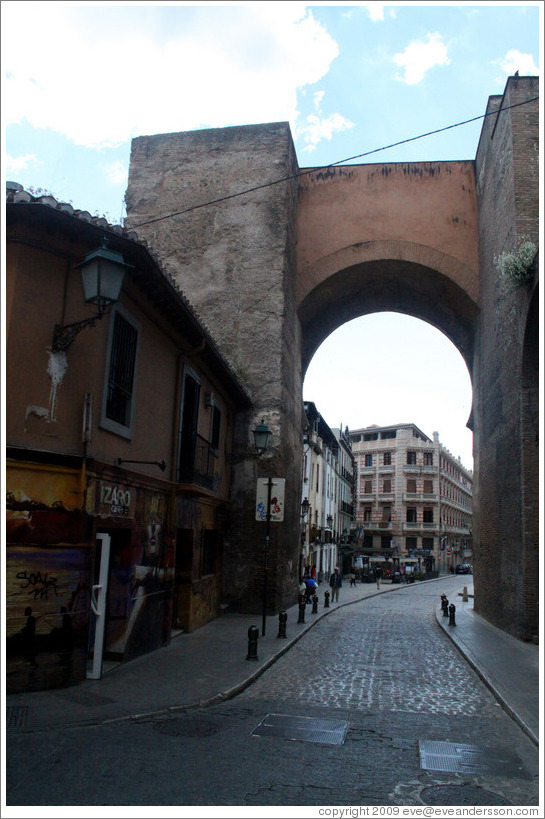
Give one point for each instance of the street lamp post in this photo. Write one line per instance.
(267, 533)
(261, 441)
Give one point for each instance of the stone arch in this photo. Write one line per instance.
(402, 277)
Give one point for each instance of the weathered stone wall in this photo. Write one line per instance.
(233, 256)
(505, 390)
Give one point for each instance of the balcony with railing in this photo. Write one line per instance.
(197, 462)
(347, 508)
(431, 497)
(419, 525)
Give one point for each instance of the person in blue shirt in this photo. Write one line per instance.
(311, 585)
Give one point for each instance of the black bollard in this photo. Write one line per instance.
(282, 620)
(444, 603)
(315, 604)
(253, 633)
(326, 600)
(301, 610)
(452, 615)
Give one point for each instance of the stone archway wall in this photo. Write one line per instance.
(507, 173)
(390, 276)
(273, 272)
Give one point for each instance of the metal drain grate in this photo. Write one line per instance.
(456, 757)
(16, 716)
(304, 729)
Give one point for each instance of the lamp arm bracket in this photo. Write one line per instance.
(64, 335)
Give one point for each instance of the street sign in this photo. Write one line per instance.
(278, 487)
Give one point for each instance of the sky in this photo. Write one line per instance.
(80, 80)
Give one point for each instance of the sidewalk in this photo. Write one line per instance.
(210, 665)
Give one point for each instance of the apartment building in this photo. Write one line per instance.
(413, 499)
(327, 493)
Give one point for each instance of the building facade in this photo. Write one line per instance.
(413, 499)
(118, 433)
(327, 494)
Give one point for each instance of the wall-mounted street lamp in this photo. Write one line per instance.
(261, 434)
(102, 273)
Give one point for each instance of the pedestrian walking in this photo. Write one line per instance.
(310, 588)
(378, 576)
(335, 581)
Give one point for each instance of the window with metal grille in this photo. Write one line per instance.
(121, 372)
(118, 397)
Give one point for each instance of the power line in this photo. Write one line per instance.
(331, 165)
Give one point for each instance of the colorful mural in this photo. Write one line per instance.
(49, 566)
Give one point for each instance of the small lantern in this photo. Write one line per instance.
(262, 434)
(102, 274)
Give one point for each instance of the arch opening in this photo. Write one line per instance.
(388, 285)
(388, 368)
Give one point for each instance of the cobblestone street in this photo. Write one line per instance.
(381, 670)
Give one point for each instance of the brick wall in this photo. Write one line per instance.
(505, 552)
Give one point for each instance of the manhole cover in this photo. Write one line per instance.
(461, 795)
(457, 757)
(304, 729)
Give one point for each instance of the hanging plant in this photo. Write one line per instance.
(516, 266)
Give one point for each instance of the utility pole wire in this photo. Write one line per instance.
(331, 165)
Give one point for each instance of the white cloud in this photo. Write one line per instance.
(517, 61)
(116, 172)
(162, 69)
(376, 11)
(318, 128)
(419, 57)
(15, 164)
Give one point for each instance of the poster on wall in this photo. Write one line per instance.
(277, 492)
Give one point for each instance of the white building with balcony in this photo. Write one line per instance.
(327, 494)
(413, 498)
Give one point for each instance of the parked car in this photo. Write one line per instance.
(464, 568)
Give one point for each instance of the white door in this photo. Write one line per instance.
(99, 591)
